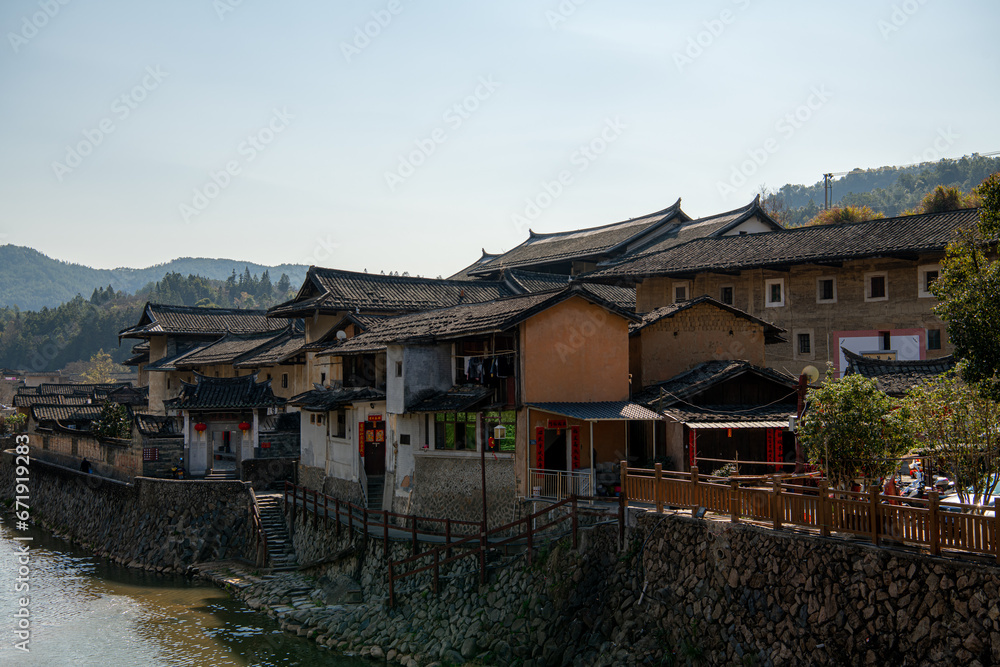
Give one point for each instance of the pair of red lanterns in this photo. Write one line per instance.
(201, 427)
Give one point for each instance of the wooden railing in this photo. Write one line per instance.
(788, 502)
(258, 527)
(524, 533)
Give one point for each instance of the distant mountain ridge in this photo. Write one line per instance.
(31, 280)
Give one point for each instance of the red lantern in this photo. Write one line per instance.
(244, 426)
(201, 427)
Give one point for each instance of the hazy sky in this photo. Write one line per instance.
(406, 135)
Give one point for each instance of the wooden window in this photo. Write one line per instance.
(886, 337)
(876, 286)
(341, 431)
(774, 292)
(933, 339)
(726, 294)
(805, 343)
(404, 438)
(455, 430)
(681, 291)
(284, 380)
(926, 275)
(826, 290)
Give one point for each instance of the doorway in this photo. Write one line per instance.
(555, 449)
(374, 435)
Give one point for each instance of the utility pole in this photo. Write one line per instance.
(827, 191)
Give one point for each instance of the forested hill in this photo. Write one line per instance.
(31, 280)
(889, 190)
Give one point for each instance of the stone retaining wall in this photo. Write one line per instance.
(451, 486)
(681, 591)
(162, 525)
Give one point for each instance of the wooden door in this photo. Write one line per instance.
(375, 448)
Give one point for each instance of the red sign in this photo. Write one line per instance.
(265, 445)
(575, 435)
(374, 418)
(557, 423)
(539, 447)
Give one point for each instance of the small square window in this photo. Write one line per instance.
(404, 438)
(886, 337)
(926, 276)
(726, 295)
(312, 419)
(774, 292)
(399, 369)
(876, 286)
(933, 339)
(284, 380)
(805, 343)
(826, 290)
(322, 378)
(680, 291)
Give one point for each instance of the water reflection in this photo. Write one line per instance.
(85, 611)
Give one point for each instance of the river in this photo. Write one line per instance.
(84, 610)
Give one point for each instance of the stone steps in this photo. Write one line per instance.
(376, 485)
(280, 552)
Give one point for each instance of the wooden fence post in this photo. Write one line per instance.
(350, 519)
(734, 501)
(482, 553)
(695, 490)
(776, 502)
(873, 512)
(933, 527)
(447, 536)
(364, 521)
(996, 528)
(336, 503)
(413, 532)
(624, 473)
(823, 510)
(658, 489)
(326, 511)
(529, 539)
(576, 542)
(385, 531)
(315, 509)
(622, 505)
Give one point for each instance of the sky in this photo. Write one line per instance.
(408, 135)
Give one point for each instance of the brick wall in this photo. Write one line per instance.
(116, 459)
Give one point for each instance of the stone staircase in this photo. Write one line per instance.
(376, 485)
(280, 554)
(217, 475)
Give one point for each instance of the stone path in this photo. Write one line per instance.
(280, 553)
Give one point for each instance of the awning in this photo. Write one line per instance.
(600, 411)
(735, 425)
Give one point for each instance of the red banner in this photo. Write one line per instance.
(575, 435)
(779, 449)
(769, 437)
(539, 447)
(692, 447)
(361, 439)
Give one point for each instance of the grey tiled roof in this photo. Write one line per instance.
(361, 323)
(163, 319)
(775, 413)
(771, 332)
(226, 350)
(27, 400)
(599, 411)
(463, 320)
(224, 393)
(65, 413)
(160, 426)
(906, 236)
(278, 350)
(464, 273)
(523, 282)
(897, 377)
(333, 290)
(457, 399)
(326, 399)
(593, 243)
(703, 376)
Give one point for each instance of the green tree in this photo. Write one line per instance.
(969, 293)
(854, 432)
(837, 215)
(114, 422)
(284, 286)
(961, 428)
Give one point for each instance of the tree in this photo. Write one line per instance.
(942, 199)
(854, 432)
(961, 427)
(100, 369)
(773, 203)
(114, 422)
(969, 293)
(284, 286)
(839, 214)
